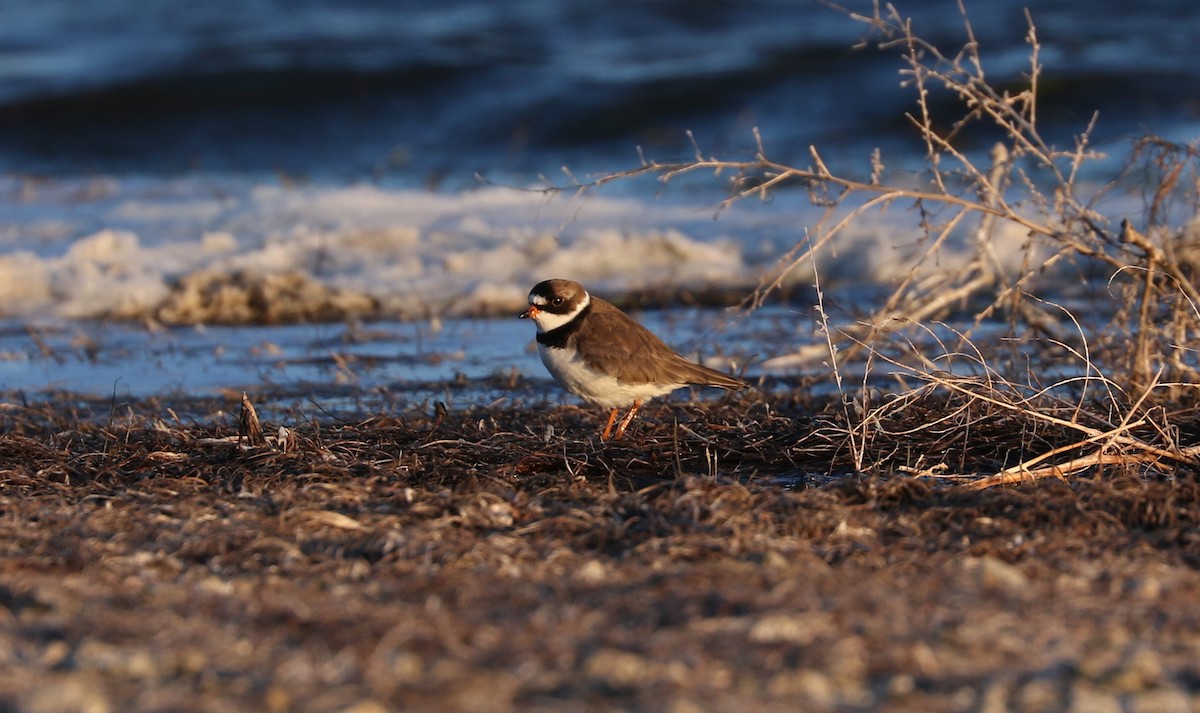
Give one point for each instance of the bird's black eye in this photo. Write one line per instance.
(557, 301)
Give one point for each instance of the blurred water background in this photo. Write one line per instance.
(424, 93)
(359, 146)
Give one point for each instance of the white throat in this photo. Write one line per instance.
(548, 321)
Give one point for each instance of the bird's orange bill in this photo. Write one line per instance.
(530, 313)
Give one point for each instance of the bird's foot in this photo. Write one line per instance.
(628, 418)
(608, 427)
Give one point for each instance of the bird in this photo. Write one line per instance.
(600, 354)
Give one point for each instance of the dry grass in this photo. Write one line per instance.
(723, 557)
(772, 552)
(1126, 367)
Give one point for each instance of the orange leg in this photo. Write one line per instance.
(628, 417)
(612, 418)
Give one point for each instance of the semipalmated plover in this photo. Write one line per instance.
(597, 352)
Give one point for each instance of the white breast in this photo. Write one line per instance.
(603, 390)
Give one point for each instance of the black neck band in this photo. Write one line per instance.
(558, 336)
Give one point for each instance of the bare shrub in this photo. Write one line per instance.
(1117, 367)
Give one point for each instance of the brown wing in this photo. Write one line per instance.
(616, 344)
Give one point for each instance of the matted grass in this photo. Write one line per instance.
(997, 537)
(721, 557)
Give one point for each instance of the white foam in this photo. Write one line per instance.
(120, 246)
(95, 248)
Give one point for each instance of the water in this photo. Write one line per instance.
(430, 93)
(146, 146)
(363, 367)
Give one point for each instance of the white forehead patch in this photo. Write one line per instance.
(537, 300)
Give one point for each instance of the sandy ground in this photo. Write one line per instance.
(721, 558)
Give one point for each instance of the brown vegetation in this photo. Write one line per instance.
(981, 537)
(722, 557)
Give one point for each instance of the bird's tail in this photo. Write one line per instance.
(704, 376)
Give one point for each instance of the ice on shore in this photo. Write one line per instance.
(291, 260)
(142, 249)
(196, 250)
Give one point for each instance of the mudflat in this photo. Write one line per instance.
(732, 556)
